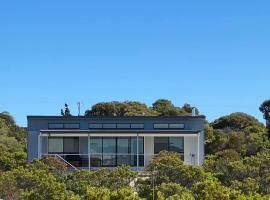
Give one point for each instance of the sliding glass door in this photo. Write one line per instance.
(116, 151)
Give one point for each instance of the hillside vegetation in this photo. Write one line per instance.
(236, 167)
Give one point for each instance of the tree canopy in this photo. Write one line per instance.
(134, 108)
(236, 121)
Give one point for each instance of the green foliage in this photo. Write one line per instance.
(94, 193)
(168, 167)
(7, 118)
(173, 191)
(236, 121)
(135, 108)
(164, 107)
(210, 189)
(265, 109)
(8, 186)
(11, 160)
(124, 193)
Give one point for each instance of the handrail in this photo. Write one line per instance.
(56, 155)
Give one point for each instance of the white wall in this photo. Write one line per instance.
(148, 149)
(191, 150)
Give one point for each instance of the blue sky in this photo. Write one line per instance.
(212, 54)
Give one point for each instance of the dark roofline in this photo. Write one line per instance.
(112, 117)
(119, 131)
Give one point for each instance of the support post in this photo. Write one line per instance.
(39, 146)
(137, 151)
(89, 156)
(198, 150)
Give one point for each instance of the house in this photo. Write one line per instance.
(94, 142)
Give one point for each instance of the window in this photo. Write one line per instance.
(95, 126)
(96, 152)
(123, 151)
(95, 145)
(123, 126)
(55, 145)
(109, 151)
(63, 145)
(71, 126)
(55, 126)
(133, 151)
(161, 143)
(112, 126)
(176, 126)
(175, 144)
(137, 126)
(169, 126)
(116, 151)
(71, 145)
(161, 126)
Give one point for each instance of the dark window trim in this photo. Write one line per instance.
(55, 124)
(177, 128)
(89, 125)
(137, 123)
(116, 127)
(123, 123)
(72, 123)
(109, 123)
(160, 123)
(169, 126)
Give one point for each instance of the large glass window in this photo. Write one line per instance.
(109, 151)
(96, 145)
(133, 151)
(175, 144)
(96, 152)
(55, 145)
(71, 145)
(116, 151)
(63, 145)
(161, 143)
(123, 151)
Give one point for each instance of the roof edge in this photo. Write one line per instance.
(109, 117)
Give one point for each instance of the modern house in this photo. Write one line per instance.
(93, 142)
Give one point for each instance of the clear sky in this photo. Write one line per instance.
(212, 54)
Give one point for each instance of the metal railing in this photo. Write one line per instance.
(97, 160)
(66, 162)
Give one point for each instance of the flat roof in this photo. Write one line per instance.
(113, 117)
(118, 131)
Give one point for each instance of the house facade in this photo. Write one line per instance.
(94, 142)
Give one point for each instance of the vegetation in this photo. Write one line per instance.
(135, 108)
(237, 164)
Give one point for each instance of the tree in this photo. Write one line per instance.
(9, 120)
(209, 189)
(173, 191)
(125, 193)
(8, 187)
(135, 108)
(66, 111)
(265, 109)
(188, 109)
(235, 121)
(94, 193)
(168, 167)
(164, 107)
